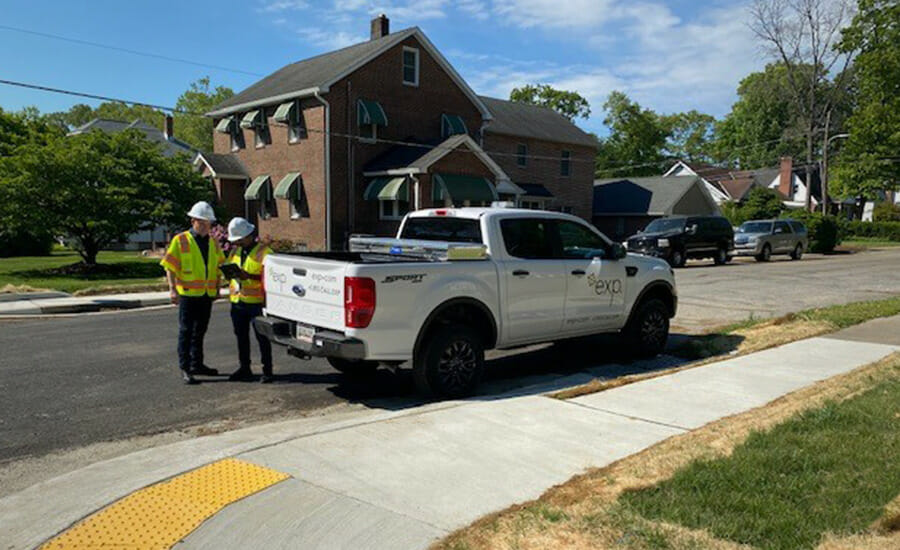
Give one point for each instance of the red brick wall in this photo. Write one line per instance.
(575, 191)
(412, 113)
(277, 159)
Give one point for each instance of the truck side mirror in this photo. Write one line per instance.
(692, 229)
(618, 251)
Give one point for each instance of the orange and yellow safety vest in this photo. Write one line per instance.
(184, 259)
(249, 291)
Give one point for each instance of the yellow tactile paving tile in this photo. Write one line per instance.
(160, 515)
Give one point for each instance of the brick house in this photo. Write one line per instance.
(347, 142)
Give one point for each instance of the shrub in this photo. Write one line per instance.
(886, 231)
(886, 212)
(824, 231)
(25, 243)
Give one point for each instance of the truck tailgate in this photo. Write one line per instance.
(306, 289)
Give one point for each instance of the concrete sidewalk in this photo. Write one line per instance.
(52, 303)
(402, 479)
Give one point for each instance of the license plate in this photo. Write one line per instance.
(305, 333)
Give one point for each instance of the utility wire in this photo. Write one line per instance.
(126, 50)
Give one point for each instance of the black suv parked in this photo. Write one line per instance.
(678, 238)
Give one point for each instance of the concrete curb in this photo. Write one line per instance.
(42, 305)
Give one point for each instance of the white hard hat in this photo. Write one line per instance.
(238, 228)
(202, 211)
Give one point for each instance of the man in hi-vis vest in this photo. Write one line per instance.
(248, 298)
(192, 269)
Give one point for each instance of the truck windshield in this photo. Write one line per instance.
(458, 230)
(755, 227)
(665, 224)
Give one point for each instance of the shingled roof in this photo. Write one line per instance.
(169, 146)
(655, 195)
(318, 73)
(532, 121)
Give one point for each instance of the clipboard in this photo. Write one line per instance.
(231, 271)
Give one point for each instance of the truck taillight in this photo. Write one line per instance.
(359, 301)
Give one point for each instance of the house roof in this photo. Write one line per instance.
(535, 190)
(738, 188)
(413, 159)
(317, 73)
(170, 146)
(532, 121)
(222, 165)
(654, 195)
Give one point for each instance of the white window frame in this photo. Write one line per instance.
(521, 160)
(296, 125)
(237, 143)
(565, 159)
(396, 213)
(368, 139)
(414, 51)
(296, 212)
(532, 204)
(261, 136)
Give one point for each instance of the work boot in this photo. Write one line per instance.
(266, 378)
(188, 379)
(204, 370)
(241, 375)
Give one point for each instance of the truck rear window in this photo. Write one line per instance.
(459, 230)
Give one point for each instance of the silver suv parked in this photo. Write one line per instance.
(762, 238)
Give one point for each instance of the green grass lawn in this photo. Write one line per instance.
(865, 242)
(124, 268)
(828, 469)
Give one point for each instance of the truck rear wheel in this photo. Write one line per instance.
(353, 367)
(648, 329)
(450, 363)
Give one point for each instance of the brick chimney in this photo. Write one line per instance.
(786, 177)
(169, 127)
(381, 26)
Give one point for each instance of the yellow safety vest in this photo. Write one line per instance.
(184, 259)
(249, 291)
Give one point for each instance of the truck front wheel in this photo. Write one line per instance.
(353, 367)
(648, 329)
(450, 363)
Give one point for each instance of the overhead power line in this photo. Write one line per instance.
(126, 50)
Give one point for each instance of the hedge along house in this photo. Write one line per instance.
(349, 141)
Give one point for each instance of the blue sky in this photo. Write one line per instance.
(669, 56)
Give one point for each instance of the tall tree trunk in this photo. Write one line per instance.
(809, 161)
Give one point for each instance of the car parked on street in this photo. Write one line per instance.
(459, 281)
(677, 238)
(762, 238)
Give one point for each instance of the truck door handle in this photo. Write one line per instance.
(578, 272)
(521, 273)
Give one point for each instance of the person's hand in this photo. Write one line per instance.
(174, 297)
(266, 239)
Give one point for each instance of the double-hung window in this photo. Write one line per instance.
(393, 210)
(565, 161)
(522, 154)
(410, 66)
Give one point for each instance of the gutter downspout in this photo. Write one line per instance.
(327, 169)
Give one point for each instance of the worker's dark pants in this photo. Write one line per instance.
(193, 319)
(242, 316)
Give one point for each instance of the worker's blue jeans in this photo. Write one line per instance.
(242, 316)
(193, 320)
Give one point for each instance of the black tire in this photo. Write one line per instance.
(648, 329)
(765, 255)
(450, 362)
(798, 252)
(353, 367)
(721, 257)
(677, 258)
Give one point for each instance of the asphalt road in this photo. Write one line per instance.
(70, 382)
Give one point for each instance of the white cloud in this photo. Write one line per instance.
(477, 9)
(329, 40)
(275, 6)
(553, 13)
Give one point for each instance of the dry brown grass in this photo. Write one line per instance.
(121, 289)
(10, 289)
(582, 512)
(712, 347)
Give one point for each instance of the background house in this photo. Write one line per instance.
(349, 141)
(624, 206)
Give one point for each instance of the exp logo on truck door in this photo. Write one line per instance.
(604, 287)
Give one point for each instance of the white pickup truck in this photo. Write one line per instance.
(459, 281)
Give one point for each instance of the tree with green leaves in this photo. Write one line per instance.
(690, 135)
(198, 99)
(96, 188)
(80, 114)
(870, 157)
(762, 125)
(636, 142)
(569, 104)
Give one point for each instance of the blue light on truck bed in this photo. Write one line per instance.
(396, 250)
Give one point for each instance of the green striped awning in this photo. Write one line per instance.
(452, 125)
(387, 189)
(370, 112)
(256, 188)
(251, 119)
(289, 187)
(462, 188)
(224, 125)
(284, 111)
